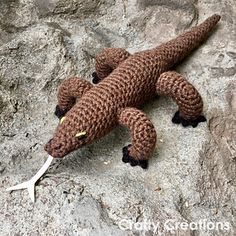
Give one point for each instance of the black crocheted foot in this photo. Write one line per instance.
(177, 119)
(96, 79)
(59, 112)
(128, 159)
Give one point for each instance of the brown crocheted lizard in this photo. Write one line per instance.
(125, 82)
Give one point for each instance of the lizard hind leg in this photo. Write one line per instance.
(186, 96)
(69, 91)
(106, 61)
(143, 137)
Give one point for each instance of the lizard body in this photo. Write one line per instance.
(124, 83)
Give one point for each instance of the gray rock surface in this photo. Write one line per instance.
(192, 173)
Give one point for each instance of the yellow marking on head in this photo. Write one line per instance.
(80, 134)
(62, 119)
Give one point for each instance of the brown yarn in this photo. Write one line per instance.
(186, 96)
(70, 90)
(177, 49)
(130, 84)
(142, 132)
(109, 59)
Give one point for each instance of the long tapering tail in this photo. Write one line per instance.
(177, 49)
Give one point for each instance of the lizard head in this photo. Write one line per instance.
(72, 133)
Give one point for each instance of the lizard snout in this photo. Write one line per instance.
(55, 149)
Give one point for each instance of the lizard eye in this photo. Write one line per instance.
(62, 119)
(81, 135)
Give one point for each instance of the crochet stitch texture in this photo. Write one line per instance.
(125, 82)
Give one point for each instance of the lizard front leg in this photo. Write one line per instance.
(107, 60)
(70, 90)
(186, 96)
(143, 137)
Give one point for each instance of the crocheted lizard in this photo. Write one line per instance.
(125, 82)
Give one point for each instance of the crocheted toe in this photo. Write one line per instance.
(95, 79)
(133, 162)
(59, 112)
(177, 119)
(143, 164)
(125, 157)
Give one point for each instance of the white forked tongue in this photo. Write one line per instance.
(30, 184)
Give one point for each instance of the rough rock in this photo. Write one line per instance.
(192, 173)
